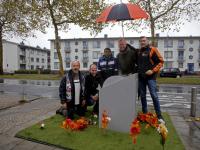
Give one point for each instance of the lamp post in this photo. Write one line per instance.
(29, 56)
(167, 44)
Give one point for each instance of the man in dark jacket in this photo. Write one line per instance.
(149, 62)
(126, 59)
(72, 92)
(107, 65)
(92, 80)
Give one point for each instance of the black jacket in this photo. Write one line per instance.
(67, 89)
(91, 85)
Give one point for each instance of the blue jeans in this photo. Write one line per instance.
(152, 89)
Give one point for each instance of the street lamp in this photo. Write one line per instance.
(167, 44)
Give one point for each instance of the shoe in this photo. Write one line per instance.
(59, 111)
(161, 119)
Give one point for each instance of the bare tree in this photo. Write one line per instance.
(163, 14)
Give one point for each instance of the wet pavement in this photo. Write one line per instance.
(17, 118)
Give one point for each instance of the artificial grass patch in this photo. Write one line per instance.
(92, 138)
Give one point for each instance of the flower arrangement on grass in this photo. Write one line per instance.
(135, 129)
(105, 121)
(42, 125)
(78, 125)
(151, 119)
(90, 120)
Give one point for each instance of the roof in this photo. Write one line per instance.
(98, 38)
(26, 46)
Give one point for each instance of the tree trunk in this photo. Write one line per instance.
(1, 51)
(152, 33)
(58, 51)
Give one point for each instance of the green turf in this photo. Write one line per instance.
(93, 138)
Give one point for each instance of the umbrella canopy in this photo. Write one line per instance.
(123, 11)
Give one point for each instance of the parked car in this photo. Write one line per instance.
(170, 72)
(8, 71)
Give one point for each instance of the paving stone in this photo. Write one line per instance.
(181, 125)
(8, 143)
(177, 118)
(174, 113)
(26, 145)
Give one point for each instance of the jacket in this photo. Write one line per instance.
(107, 68)
(91, 85)
(149, 59)
(67, 89)
(126, 62)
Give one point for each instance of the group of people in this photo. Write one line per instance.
(78, 91)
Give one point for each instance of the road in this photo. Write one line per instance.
(170, 95)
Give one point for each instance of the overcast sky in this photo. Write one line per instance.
(188, 29)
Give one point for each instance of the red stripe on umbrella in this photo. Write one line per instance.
(102, 18)
(137, 12)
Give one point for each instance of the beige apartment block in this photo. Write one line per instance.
(181, 52)
(18, 56)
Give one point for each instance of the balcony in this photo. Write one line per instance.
(22, 61)
(48, 57)
(198, 58)
(181, 47)
(181, 58)
(85, 59)
(85, 48)
(67, 49)
(23, 53)
(67, 59)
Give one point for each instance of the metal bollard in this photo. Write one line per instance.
(193, 102)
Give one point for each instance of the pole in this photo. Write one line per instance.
(193, 102)
(122, 29)
(167, 44)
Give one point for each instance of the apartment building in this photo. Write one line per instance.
(18, 56)
(179, 52)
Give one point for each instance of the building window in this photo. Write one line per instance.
(199, 65)
(56, 65)
(67, 65)
(180, 65)
(131, 42)
(168, 54)
(169, 44)
(76, 50)
(32, 51)
(32, 59)
(55, 45)
(85, 55)
(37, 60)
(96, 44)
(37, 66)
(42, 60)
(55, 55)
(156, 43)
(32, 67)
(84, 65)
(42, 67)
(67, 45)
(76, 57)
(113, 53)
(181, 44)
(190, 57)
(37, 52)
(110, 44)
(85, 45)
(96, 54)
(190, 49)
(42, 53)
(76, 43)
(191, 41)
(167, 64)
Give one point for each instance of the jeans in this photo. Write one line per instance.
(69, 112)
(152, 89)
(90, 102)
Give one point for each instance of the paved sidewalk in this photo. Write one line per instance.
(17, 118)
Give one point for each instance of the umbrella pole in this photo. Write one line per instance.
(122, 29)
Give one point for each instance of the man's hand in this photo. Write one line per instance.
(83, 103)
(149, 72)
(64, 106)
(129, 74)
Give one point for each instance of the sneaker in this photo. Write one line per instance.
(161, 119)
(59, 111)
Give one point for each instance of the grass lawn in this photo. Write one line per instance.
(92, 138)
(159, 80)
